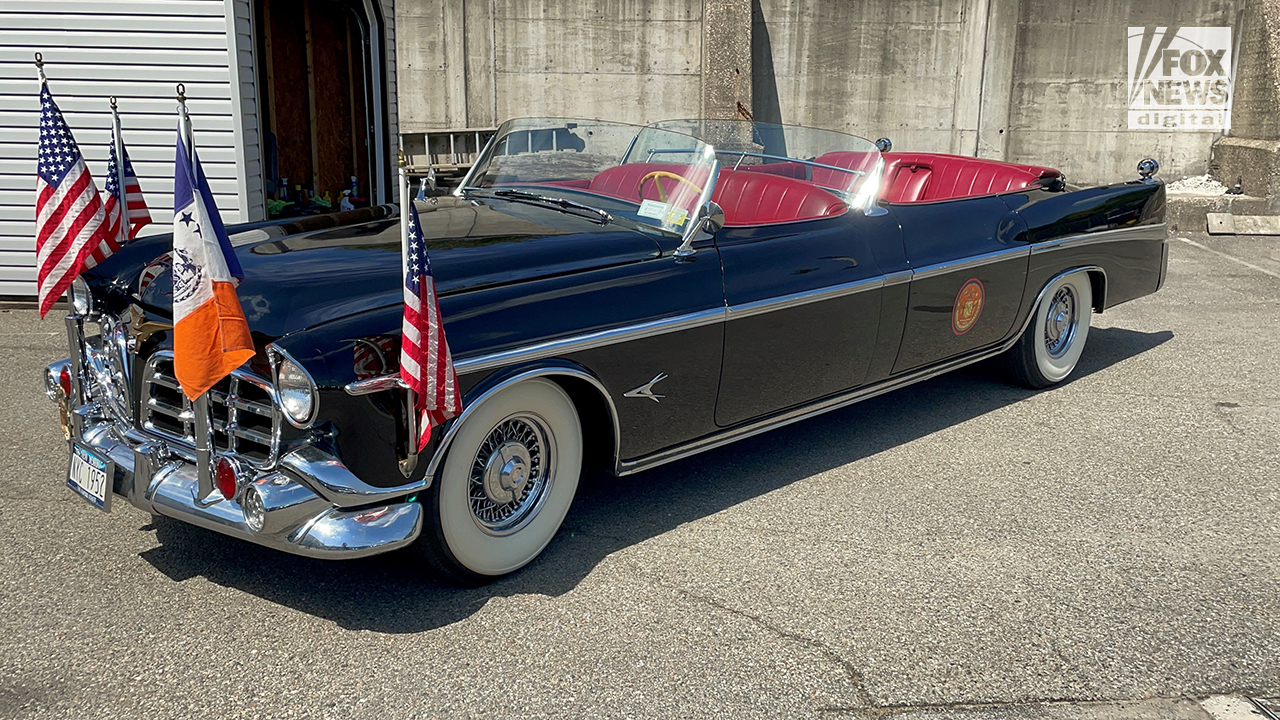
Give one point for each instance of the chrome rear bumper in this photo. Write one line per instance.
(303, 512)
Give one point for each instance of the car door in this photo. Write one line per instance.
(969, 267)
(804, 305)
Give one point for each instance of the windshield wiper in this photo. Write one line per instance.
(605, 218)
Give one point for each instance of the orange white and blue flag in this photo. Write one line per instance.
(210, 335)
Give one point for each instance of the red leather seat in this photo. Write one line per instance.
(757, 198)
(922, 177)
(747, 197)
(786, 169)
(863, 162)
(623, 181)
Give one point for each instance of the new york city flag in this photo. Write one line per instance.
(210, 335)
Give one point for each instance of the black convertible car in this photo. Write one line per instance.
(614, 296)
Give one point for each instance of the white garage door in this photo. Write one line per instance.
(136, 50)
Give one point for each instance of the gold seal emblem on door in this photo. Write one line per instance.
(968, 306)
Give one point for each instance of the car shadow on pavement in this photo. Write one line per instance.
(390, 594)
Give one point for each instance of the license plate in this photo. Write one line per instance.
(91, 476)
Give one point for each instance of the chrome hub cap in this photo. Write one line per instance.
(511, 474)
(506, 473)
(1060, 322)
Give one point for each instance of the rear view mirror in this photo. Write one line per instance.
(710, 219)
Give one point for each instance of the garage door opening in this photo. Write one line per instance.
(322, 105)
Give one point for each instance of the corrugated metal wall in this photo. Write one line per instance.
(136, 50)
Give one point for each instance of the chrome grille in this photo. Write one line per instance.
(241, 406)
(106, 361)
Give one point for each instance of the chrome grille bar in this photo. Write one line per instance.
(242, 409)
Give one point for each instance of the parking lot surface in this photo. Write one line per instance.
(961, 545)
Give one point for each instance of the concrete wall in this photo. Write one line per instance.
(475, 64)
(1068, 106)
(1036, 81)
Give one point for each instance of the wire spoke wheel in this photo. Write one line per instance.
(511, 474)
(1055, 336)
(1060, 322)
(505, 485)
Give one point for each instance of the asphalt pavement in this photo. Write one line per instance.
(961, 548)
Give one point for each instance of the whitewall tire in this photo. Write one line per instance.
(505, 485)
(1049, 350)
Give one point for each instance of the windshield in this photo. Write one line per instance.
(651, 175)
(846, 164)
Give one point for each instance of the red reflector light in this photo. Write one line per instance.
(64, 381)
(224, 477)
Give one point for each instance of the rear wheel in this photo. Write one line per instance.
(505, 486)
(1051, 346)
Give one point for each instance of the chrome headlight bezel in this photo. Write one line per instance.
(81, 298)
(296, 392)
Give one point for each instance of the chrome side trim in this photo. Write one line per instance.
(470, 406)
(897, 278)
(785, 302)
(836, 402)
(578, 343)
(950, 266)
(554, 348)
(1141, 232)
(377, 384)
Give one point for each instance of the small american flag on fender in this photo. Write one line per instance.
(69, 217)
(425, 364)
(120, 229)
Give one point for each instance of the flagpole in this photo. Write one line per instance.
(200, 407)
(411, 410)
(118, 141)
(73, 321)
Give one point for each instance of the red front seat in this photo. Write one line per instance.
(756, 198)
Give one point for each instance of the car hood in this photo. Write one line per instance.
(294, 280)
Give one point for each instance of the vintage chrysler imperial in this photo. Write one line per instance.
(614, 297)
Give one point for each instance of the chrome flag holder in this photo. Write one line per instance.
(410, 461)
(200, 406)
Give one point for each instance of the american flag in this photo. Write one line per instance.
(118, 231)
(425, 364)
(69, 218)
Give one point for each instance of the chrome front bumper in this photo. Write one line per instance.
(312, 504)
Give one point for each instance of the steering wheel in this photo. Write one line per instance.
(662, 194)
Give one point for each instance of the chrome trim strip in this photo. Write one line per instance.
(897, 278)
(578, 343)
(376, 384)
(1139, 233)
(950, 266)
(471, 405)
(837, 402)
(555, 348)
(785, 302)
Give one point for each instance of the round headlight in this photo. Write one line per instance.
(81, 298)
(297, 393)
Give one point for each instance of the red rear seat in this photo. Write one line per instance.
(922, 177)
(861, 161)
